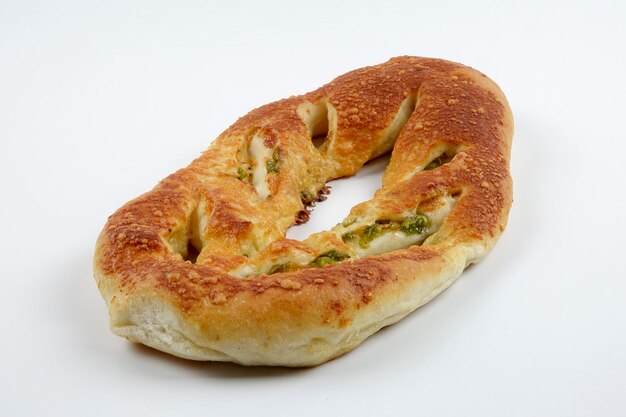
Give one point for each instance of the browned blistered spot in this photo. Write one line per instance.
(210, 279)
(173, 276)
(270, 141)
(344, 322)
(217, 298)
(289, 284)
(224, 262)
(337, 306)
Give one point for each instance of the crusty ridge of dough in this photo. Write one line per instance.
(197, 310)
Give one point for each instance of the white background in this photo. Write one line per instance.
(100, 100)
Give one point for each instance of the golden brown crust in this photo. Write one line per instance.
(309, 315)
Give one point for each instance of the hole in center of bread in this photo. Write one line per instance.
(345, 194)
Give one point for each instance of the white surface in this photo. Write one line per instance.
(100, 100)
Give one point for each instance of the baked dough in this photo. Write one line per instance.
(200, 267)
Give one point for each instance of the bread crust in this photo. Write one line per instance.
(157, 295)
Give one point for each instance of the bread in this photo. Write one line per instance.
(200, 267)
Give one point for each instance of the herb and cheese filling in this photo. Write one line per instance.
(389, 235)
(260, 155)
(262, 162)
(362, 238)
